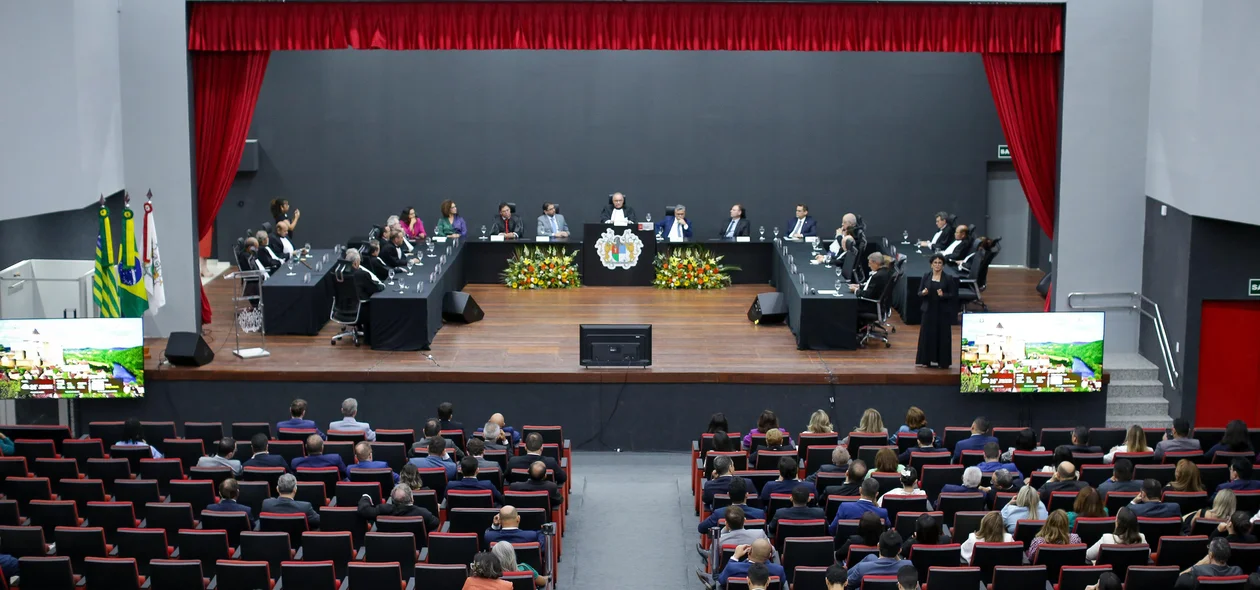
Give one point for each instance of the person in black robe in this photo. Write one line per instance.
(938, 292)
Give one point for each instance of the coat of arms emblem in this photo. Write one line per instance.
(619, 251)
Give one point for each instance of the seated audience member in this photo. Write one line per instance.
(1121, 479)
(617, 212)
(1235, 440)
(507, 527)
(991, 530)
(819, 423)
(315, 457)
(484, 573)
(960, 248)
(979, 437)
(1026, 505)
(801, 226)
(1236, 529)
(1186, 478)
(451, 225)
(836, 575)
(1215, 564)
(506, 554)
(1177, 439)
(493, 437)
(468, 481)
(1064, 480)
(508, 436)
(887, 563)
(852, 485)
(788, 472)
(446, 418)
(722, 443)
(1025, 440)
(222, 457)
(869, 528)
(1088, 504)
(1061, 453)
(285, 504)
(747, 557)
(401, 503)
(800, 510)
(871, 423)
(266, 256)
(1056, 531)
(366, 284)
(775, 441)
(394, 249)
(1223, 507)
(909, 487)
(363, 460)
(1134, 442)
(737, 226)
(926, 443)
(552, 224)
(538, 482)
(1003, 481)
(993, 462)
(720, 482)
(839, 463)
(297, 419)
(878, 279)
(133, 436)
(438, 456)
(927, 531)
(943, 236)
(229, 491)
(477, 450)
(349, 410)
(1106, 581)
(507, 224)
(886, 463)
(854, 510)
(675, 227)
(432, 427)
(261, 458)
(410, 476)
(738, 494)
(908, 578)
(970, 483)
(766, 422)
(915, 420)
(1080, 441)
(717, 423)
(1239, 477)
(533, 452)
(1125, 533)
(373, 263)
(735, 532)
(1148, 502)
(759, 576)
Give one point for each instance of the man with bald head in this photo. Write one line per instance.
(507, 527)
(315, 457)
(538, 482)
(280, 241)
(745, 557)
(1064, 480)
(507, 436)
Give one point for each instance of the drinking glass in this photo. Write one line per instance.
(776, 231)
(659, 236)
(483, 232)
(839, 285)
(839, 272)
(905, 236)
(794, 268)
(648, 218)
(306, 277)
(430, 247)
(761, 232)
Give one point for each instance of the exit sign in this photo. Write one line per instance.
(1253, 287)
(1004, 152)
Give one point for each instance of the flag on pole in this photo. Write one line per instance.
(153, 282)
(104, 276)
(131, 295)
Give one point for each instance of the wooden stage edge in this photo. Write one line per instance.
(532, 337)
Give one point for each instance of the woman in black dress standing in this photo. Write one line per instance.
(939, 303)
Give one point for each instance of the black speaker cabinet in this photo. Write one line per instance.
(188, 349)
(458, 306)
(768, 308)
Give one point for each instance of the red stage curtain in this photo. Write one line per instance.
(1026, 91)
(225, 89)
(669, 26)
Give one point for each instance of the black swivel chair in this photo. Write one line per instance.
(346, 304)
(971, 285)
(876, 327)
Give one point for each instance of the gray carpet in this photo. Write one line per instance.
(631, 523)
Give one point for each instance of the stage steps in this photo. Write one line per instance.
(1135, 395)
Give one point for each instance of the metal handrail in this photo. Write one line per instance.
(1157, 319)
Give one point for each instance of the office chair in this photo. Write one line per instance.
(346, 304)
(875, 326)
(971, 285)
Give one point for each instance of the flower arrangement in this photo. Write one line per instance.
(541, 268)
(691, 267)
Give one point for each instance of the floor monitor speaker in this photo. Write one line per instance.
(768, 308)
(188, 349)
(458, 306)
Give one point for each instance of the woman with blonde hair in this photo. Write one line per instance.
(1186, 478)
(1056, 531)
(1223, 507)
(1134, 442)
(1026, 505)
(915, 419)
(820, 423)
(991, 530)
(871, 423)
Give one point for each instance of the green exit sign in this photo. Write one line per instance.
(1004, 152)
(1253, 287)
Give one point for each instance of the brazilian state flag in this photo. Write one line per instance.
(105, 276)
(133, 300)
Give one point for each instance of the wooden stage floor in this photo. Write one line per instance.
(532, 336)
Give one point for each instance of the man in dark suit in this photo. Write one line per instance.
(393, 252)
(315, 457)
(446, 418)
(266, 256)
(1239, 477)
(720, 482)
(960, 248)
(788, 470)
(1004, 481)
(401, 503)
(432, 428)
(802, 226)
(246, 260)
(852, 485)
(507, 527)
(229, 490)
(1149, 503)
(1064, 480)
(1080, 441)
(979, 437)
(737, 226)
(507, 223)
(799, 510)
(366, 285)
(468, 467)
(1121, 479)
(297, 419)
(373, 263)
(363, 460)
(285, 504)
(533, 452)
(261, 458)
(477, 450)
(676, 227)
(839, 464)
(927, 444)
(970, 483)
(943, 236)
(538, 482)
(280, 242)
(617, 211)
(738, 494)
(876, 282)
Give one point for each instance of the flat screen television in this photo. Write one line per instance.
(1035, 352)
(70, 358)
(615, 345)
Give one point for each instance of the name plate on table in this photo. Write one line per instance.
(675, 239)
(743, 239)
(618, 222)
(496, 238)
(439, 239)
(542, 239)
(811, 239)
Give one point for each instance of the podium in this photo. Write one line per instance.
(617, 256)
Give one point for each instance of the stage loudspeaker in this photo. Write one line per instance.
(188, 349)
(458, 306)
(768, 308)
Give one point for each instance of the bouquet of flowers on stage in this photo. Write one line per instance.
(691, 267)
(542, 268)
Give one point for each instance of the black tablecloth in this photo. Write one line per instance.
(487, 260)
(820, 322)
(294, 304)
(409, 319)
(755, 259)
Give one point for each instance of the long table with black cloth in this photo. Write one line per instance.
(297, 298)
(820, 317)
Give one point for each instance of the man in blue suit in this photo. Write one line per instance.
(297, 411)
(1239, 478)
(228, 492)
(787, 481)
(927, 444)
(507, 527)
(436, 458)
(979, 437)
(739, 494)
(1149, 503)
(363, 459)
(261, 458)
(855, 510)
(721, 482)
(468, 469)
(675, 227)
(758, 554)
(315, 457)
(992, 460)
(803, 225)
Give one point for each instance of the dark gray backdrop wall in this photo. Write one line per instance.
(351, 137)
(63, 235)
(1166, 281)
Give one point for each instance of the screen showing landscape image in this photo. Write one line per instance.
(84, 357)
(1032, 352)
